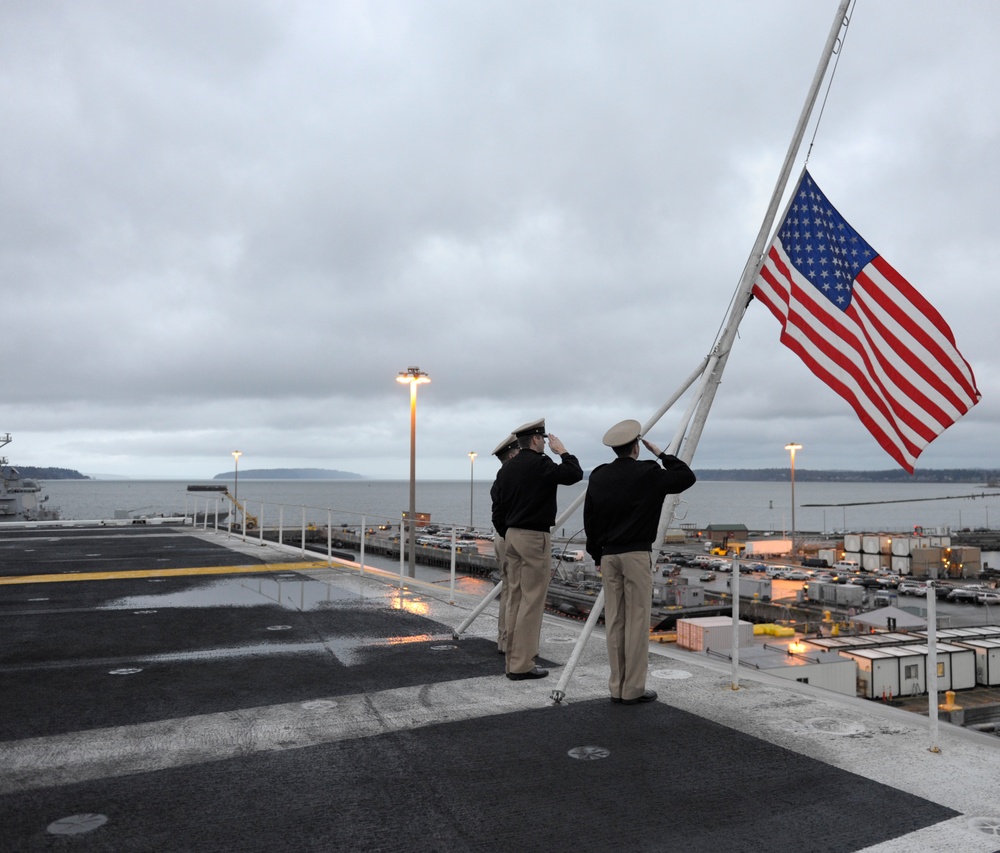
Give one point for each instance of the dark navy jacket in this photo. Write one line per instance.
(525, 490)
(622, 509)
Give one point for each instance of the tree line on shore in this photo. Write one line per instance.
(892, 475)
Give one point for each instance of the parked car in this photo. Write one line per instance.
(706, 576)
(963, 596)
(911, 588)
(796, 575)
(988, 598)
(941, 590)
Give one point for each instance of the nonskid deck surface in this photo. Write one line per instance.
(306, 708)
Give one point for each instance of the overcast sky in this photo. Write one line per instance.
(229, 224)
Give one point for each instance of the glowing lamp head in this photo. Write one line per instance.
(412, 376)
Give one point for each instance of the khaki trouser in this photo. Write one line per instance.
(528, 555)
(628, 595)
(498, 548)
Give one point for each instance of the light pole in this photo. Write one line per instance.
(236, 479)
(413, 376)
(472, 479)
(792, 448)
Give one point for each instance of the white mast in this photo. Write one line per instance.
(724, 343)
(712, 372)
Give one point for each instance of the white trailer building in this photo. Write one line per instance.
(987, 652)
(893, 671)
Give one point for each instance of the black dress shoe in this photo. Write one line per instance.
(534, 672)
(648, 696)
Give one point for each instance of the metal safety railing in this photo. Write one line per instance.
(297, 527)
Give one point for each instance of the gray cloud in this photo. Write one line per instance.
(231, 224)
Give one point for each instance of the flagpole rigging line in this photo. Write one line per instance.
(738, 305)
(829, 83)
(711, 371)
(724, 343)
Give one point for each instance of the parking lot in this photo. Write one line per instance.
(960, 602)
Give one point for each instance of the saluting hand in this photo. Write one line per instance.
(555, 445)
(652, 448)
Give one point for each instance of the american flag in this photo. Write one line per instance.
(862, 328)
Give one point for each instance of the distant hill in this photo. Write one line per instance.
(291, 474)
(35, 473)
(976, 476)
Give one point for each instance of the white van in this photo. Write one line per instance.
(846, 566)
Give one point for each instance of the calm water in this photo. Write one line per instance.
(765, 506)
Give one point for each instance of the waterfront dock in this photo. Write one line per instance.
(169, 689)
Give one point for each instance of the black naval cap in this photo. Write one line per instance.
(533, 428)
(508, 444)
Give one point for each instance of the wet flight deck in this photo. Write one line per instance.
(165, 689)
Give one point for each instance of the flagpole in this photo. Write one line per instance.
(724, 343)
(698, 373)
(711, 369)
(712, 372)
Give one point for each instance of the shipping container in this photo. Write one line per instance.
(874, 562)
(752, 587)
(921, 559)
(902, 545)
(712, 632)
(835, 594)
(678, 595)
(766, 547)
(876, 544)
(852, 542)
(848, 595)
(965, 561)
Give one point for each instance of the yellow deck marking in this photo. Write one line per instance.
(166, 573)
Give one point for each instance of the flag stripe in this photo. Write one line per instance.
(817, 337)
(924, 320)
(852, 361)
(901, 363)
(863, 329)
